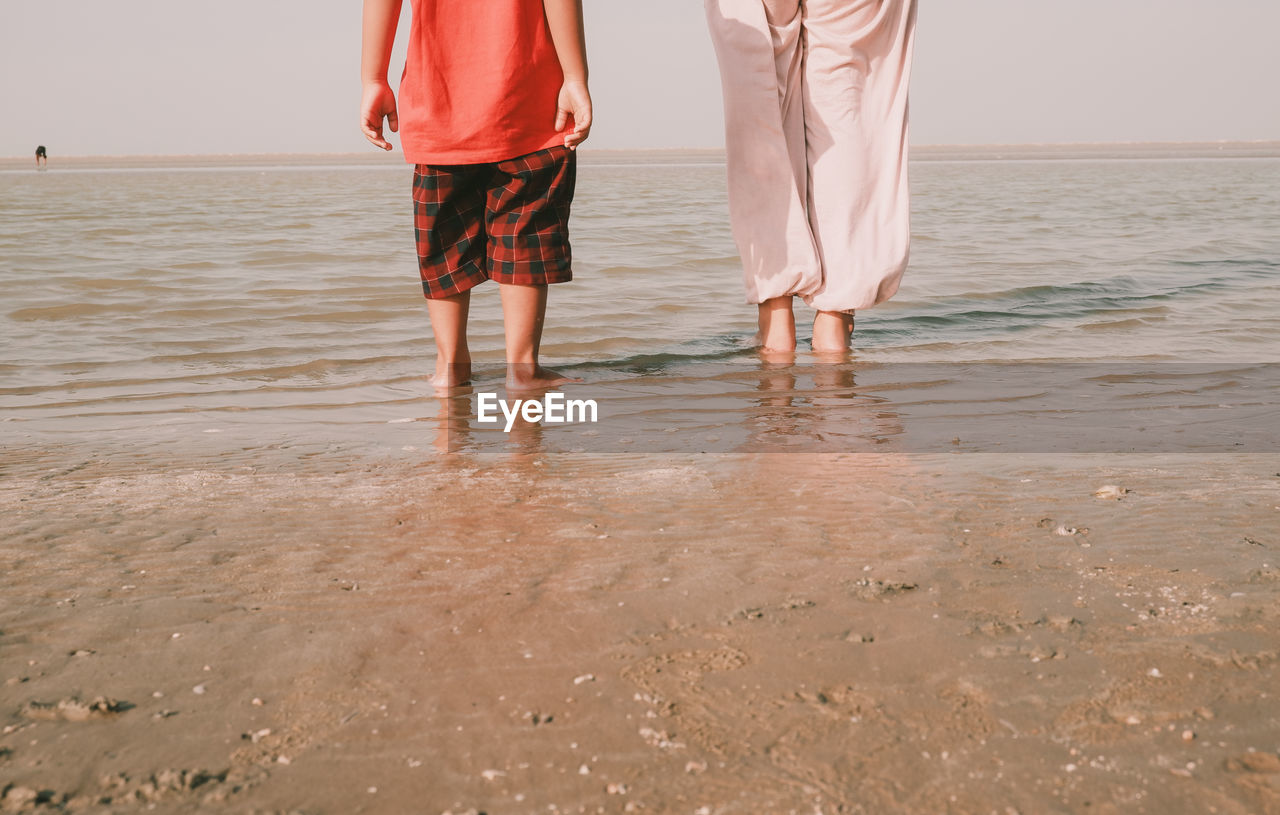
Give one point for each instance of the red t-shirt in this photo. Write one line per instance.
(480, 84)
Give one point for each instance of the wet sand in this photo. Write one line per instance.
(804, 633)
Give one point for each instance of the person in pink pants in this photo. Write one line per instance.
(815, 98)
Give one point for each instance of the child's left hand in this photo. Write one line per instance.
(575, 101)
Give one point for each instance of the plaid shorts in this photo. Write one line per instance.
(507, 221)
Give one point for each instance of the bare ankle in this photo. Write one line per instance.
(777, 325)
(832, 332)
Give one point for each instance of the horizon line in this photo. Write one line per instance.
(720, 149)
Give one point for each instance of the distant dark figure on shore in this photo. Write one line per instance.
(42, 156)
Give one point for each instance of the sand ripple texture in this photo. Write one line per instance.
(661, 634)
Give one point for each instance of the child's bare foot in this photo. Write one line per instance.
(832, 332)
(451, 374)
(449, 325)
(777, 326)
(772, 357)
(528, 377)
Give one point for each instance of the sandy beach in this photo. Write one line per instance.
(1015, 553)
(667, 634)
(1017, 556)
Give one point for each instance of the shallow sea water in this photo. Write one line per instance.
(278, 308)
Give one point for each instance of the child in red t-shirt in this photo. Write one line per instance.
(486, 100)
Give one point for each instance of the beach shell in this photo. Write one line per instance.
(1111, 492)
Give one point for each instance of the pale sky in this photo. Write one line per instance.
(88, 77)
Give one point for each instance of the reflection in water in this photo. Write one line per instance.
(767, 406)
(459, 427)
(525, 438)
(715, 406)
(815, 407)
(454, 410)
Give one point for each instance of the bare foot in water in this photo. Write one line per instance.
(770, 356)
(528, 377)
(777, 326)
(451, 375)
(449, 325)
(832, 332)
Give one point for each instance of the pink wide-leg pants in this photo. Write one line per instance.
(815, 97)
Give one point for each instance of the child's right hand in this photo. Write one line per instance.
(378, 102)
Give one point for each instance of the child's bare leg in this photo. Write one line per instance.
(449, 325)
(832, 332)
(777, 325)
(523, 311)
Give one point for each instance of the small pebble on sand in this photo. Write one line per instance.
(1188, 735)
(584, 770)
(199, 690)
(74, 710)
(257, 702)
(20, 798)
(578, 680)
